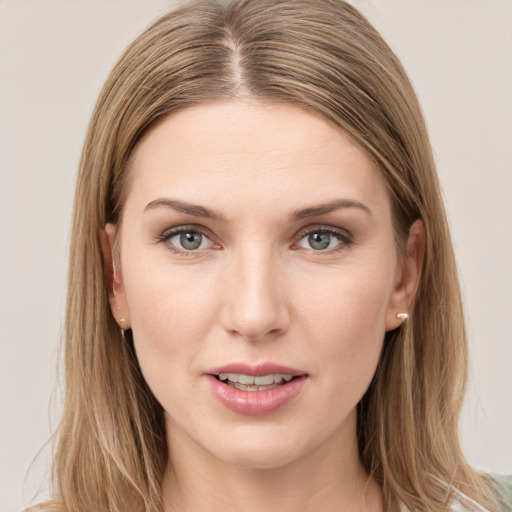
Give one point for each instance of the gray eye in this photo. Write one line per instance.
(319, 241)
(186, 240)
(191, 240)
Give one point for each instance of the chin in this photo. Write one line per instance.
(254, 457)
(261, 448)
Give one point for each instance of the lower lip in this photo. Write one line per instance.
(256, 403)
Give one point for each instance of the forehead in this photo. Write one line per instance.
(247, 152)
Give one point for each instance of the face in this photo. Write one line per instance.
(257, 246)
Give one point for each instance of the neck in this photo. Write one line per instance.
(331, 478)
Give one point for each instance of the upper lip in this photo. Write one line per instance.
(256, 369)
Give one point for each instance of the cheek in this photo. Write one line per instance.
(352, 300)
(170, 314)
(346, 318)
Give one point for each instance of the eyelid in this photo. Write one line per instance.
(176, 230)
(325, 229)
(345, 237)
(171, 232)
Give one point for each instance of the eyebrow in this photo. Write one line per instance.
(300, 214)
(331, 206)
(191, 209)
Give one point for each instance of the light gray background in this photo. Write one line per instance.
(54, 56)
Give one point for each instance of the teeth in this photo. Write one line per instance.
(251, 380)
(264, 380)
(248, 380)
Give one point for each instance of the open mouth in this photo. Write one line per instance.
(258, 391)
(254, 383)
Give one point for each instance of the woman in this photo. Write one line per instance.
(263, 308)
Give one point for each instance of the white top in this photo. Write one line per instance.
(460, 502)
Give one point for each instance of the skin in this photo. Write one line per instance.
(255, 291)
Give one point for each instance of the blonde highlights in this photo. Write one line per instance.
(325, 57)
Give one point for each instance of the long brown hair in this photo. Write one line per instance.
(322, 55)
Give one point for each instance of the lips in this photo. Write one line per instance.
(255, 390)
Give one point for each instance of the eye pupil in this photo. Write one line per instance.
(190, 240)
(319, 240)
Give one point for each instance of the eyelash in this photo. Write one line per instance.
(170, 233)
(343, 236)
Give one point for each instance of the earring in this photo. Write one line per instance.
(121, 320)
(402, 316)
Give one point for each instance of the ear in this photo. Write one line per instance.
(117, 296)
(407, 277)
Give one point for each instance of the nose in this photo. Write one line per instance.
(255, 305)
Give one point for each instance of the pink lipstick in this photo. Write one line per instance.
(255, 390)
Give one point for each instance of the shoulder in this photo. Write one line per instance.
(503, 486)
